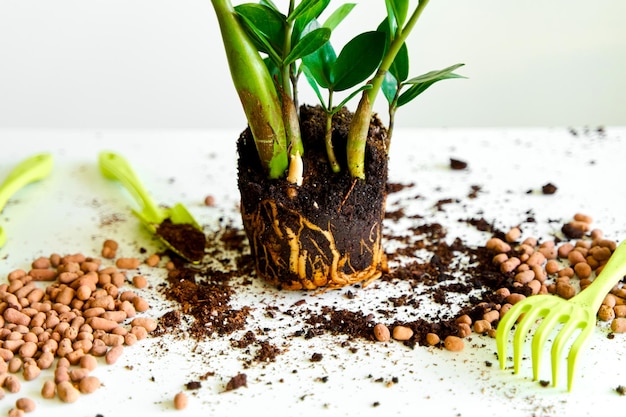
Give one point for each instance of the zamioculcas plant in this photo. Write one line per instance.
(313, 179)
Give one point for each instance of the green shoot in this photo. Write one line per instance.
(358, 59)
(395, 81)
(400, 25)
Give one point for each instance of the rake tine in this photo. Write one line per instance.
(572, 323)
(540, 337)
(579, 343)
(522, 329)
(504, 327)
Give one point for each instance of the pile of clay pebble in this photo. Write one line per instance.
(71, 310)
(545, 268)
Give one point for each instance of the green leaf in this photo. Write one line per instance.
(320, 62)
(423, 82)
(265, 25)
(273, 69)
(435, 75)
(400, 66)
(389, 87)
(390, 25)
(261, 43)
(270, 4)
(358, 59)
(338, 15)
(309, 8)
(311, 79)
(309, 43)
(400, 9)
(304, 19)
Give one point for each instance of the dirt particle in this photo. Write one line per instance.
(238, 381)
(548, 189)
(457, 164)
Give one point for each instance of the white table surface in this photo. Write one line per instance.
(71, 210)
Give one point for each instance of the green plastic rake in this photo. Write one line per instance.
(577, 313)
(31, 169)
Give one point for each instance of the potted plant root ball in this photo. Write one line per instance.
(313, 178)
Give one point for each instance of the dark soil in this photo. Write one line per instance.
(350, 210)
(185, 238)
(324, 186)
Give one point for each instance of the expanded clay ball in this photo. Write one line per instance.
(16, 412)
(432, 339)
(140, 281)
(25, 404)
(381, 333)
(109, 249)
(618, 325)
(180, 401)
(88, 384)
(48, 390)
(67, 393)
(453, 343)
(153, 260)
(402, 333)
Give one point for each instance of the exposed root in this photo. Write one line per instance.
(295, 253)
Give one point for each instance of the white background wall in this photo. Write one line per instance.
(160, 64)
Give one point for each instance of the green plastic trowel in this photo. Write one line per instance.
(31, 169)
(174, 226)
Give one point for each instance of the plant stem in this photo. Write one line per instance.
(285, 69)
(292, 126)
(256, 90)
(359, 128)
(392, 119)
(330, 151)
(290, 111)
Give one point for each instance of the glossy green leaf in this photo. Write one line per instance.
(320, 62)
(400, 66)
(435, 75)
(313, 83)
(261, 43)
(389, 25)
(389, 87)
(270, 4)
(309, 43)
(265, 25)
(306, 18)
(273, 70)
(400, 9)
(358, 59)
(338, 15)
(423, 82)
(307, 7)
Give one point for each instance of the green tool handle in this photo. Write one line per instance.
(116, 167)
(31, 169)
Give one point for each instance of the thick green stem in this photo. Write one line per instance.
(257, 93)
(357, 136)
